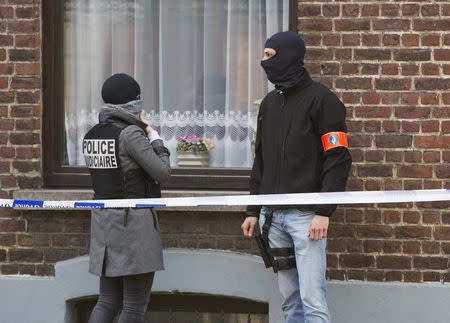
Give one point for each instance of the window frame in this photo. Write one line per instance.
(55, 174)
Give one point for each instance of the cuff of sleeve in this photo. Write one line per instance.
(253, 210)
(153, 135)
(325, 209)
(161, 150)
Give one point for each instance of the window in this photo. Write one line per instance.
(198, 65)
(188, 307)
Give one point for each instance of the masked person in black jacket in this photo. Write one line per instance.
(301, 147)
(127, 159)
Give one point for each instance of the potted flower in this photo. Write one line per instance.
(193, 151)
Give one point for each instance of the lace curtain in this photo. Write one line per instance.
(197, 62)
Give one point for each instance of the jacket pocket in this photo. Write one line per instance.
(155, 220)
(125, 217)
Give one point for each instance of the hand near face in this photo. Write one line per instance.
(146, 121)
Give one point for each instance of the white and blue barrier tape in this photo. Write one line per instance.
(363, 197)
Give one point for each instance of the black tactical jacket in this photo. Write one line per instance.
(289, 156)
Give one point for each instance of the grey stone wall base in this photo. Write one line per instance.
(28, 299)
(45, 300)
(352, 302)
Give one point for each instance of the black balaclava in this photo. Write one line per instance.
(285, 68)
(120, 89)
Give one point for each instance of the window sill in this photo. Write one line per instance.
(61, 195)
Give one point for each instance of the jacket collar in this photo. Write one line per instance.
(304, 82)
(117, 114)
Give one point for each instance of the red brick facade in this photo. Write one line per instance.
(390, 64)
(20, 96)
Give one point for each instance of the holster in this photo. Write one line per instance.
(264, 251)
(285, 256)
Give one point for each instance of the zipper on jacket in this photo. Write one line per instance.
(280, 92)
(283, 98)
(285, 138)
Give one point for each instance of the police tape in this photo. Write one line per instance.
(353, 197)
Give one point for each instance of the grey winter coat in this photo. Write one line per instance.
(128, 241)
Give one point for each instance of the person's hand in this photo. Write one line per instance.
(319, 227)
(148, 129)
(147, 122)
(248, 226)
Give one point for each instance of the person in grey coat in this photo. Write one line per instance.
(127, 159)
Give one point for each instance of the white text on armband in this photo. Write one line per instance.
(100, 153)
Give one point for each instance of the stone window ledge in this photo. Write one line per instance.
(86, 194)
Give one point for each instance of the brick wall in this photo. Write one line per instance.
(390, 64)
(20, 95)
(389, 61)
(31, 242)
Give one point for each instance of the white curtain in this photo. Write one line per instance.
(197, 62)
